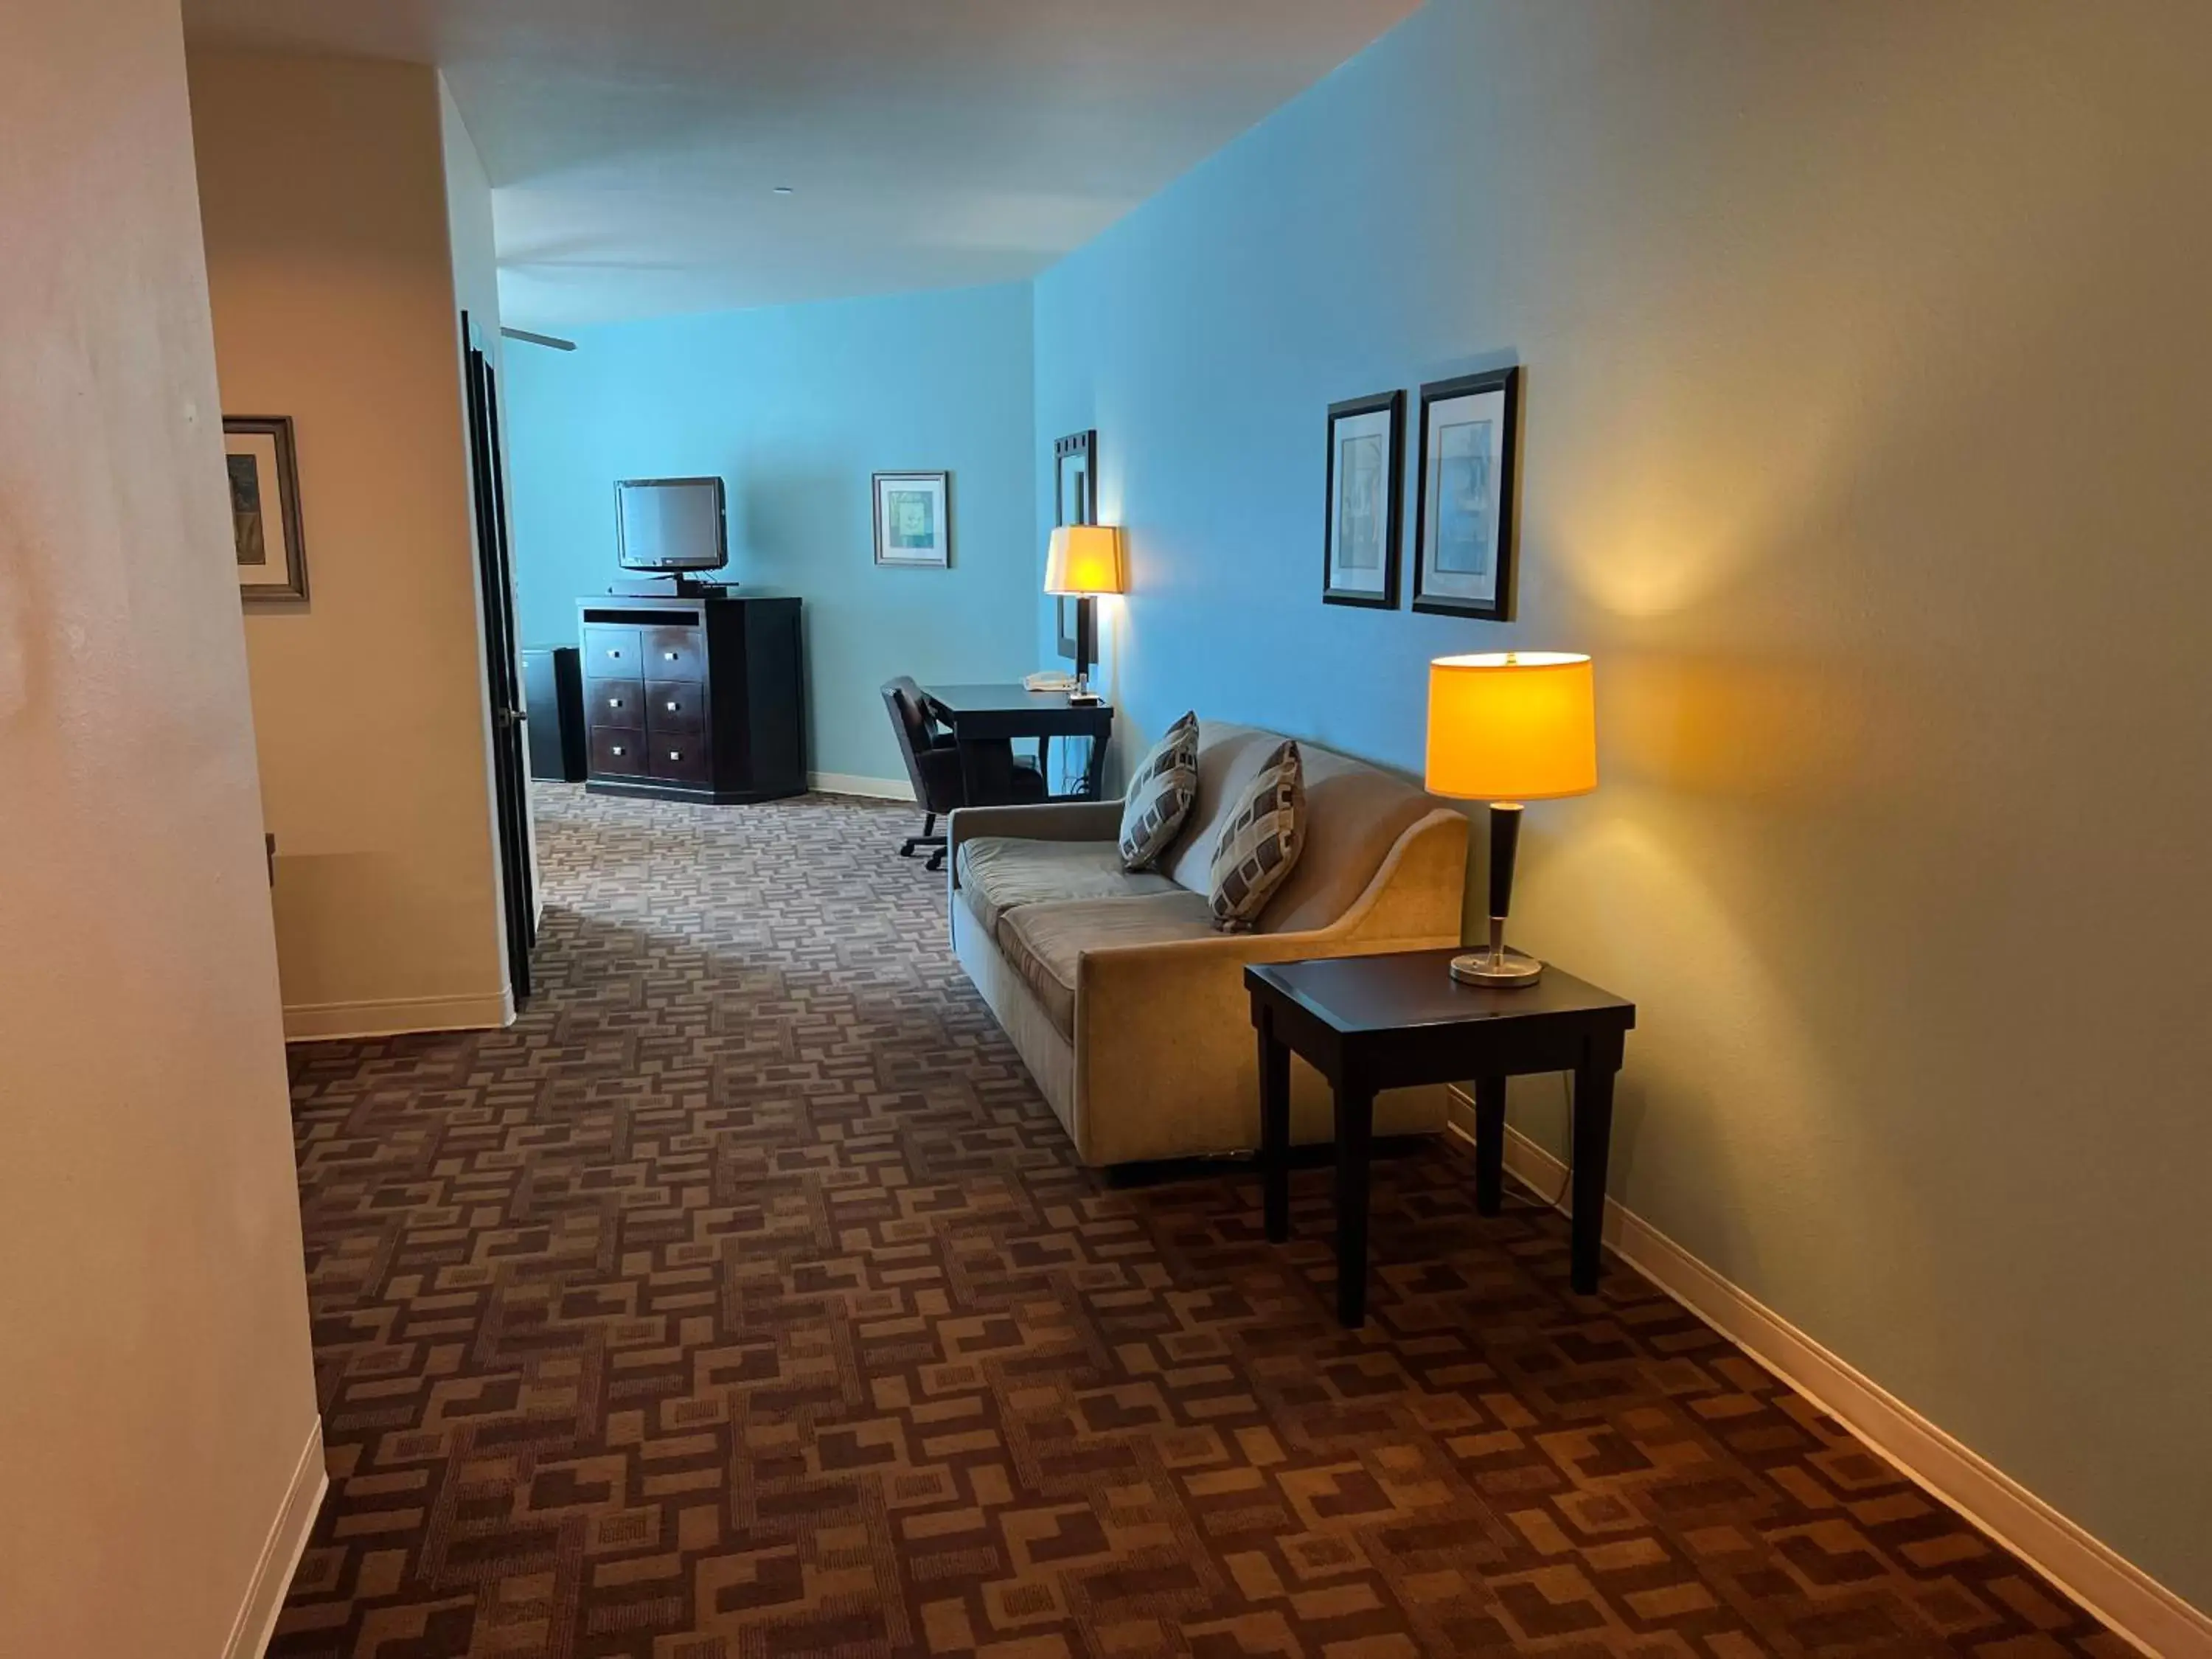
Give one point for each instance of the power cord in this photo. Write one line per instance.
(1567, 1180)
(1065, 755)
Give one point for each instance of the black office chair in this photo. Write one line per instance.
(934, 766)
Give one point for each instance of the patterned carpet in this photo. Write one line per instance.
(744, 1300)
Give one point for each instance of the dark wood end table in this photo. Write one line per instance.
(1368, 1024)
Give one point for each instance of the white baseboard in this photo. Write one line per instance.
(312, 1022)
(2115, 1589)
(848, 783)
(280, 1554)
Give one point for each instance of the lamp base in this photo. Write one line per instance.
(1499, 968)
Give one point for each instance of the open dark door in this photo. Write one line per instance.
(502, 662)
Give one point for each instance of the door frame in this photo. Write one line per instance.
(503, 662)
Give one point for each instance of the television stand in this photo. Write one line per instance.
(668, 587)
(694, 699)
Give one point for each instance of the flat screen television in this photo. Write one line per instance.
(669, 524)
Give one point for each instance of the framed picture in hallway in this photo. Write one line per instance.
(913, 518)
(1366, 462)
(262, 482)
(1075, 501)
(1463, 526)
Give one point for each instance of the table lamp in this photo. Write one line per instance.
(1508, 727)
(1082, 561)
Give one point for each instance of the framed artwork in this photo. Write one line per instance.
(264, 483)
(1366, 461)
(1463, 531)
(913, 518)
(1075, 501)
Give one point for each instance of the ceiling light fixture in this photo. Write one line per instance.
(785, 190)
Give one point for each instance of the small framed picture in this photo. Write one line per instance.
(1366, 460)
(263, 484)
(914, 518)
(1075, 501)
(1463, 531)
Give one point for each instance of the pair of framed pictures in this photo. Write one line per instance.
(1463, 518)
(913, 518)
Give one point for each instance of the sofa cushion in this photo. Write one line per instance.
(1159, 795)
(1355, 813)
(999, 873)
(1045, 942)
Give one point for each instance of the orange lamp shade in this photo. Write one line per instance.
(1085, 558)
(1512, 725)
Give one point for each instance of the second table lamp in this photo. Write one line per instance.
(1081, 561)
(1509, 728)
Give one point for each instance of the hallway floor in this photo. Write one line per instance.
(744, 1299)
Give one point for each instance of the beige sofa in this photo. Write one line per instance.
(1129, 1010)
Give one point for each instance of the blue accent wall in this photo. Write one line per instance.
(1205, 335)
(795, 407)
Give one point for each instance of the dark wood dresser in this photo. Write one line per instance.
(694, 699)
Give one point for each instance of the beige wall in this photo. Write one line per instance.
(332, 265)
(1867, 351)
(469, 225)
(476, 290)
(1870, 372)
(156, 1395)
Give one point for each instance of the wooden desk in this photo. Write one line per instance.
(977, 712)
(1397, 1019)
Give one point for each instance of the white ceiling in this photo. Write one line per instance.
(634, 149)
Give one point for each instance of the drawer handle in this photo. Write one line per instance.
(619, 749)
(675, 707)
(671, 655)
(614, 702)
(611, 652)
(676, 754)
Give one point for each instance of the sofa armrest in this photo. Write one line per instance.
(1057, 820)
(1164, 1032)
(1413, 903)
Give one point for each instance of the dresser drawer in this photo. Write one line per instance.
(615, 702)
(675, 708)
(680, 760)
(673, 653)
(618, 752)
(614, 652)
